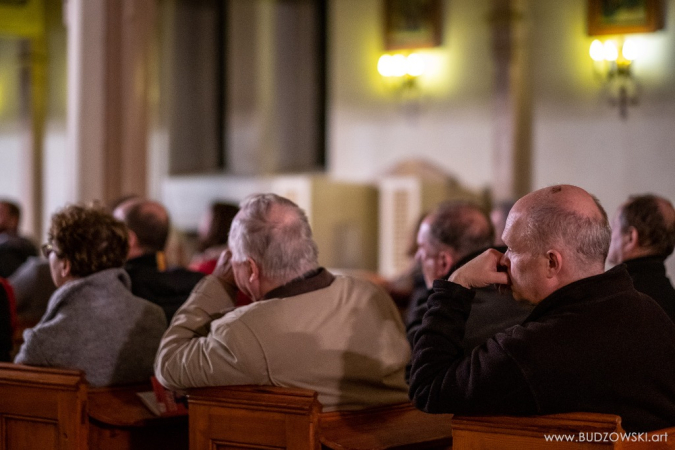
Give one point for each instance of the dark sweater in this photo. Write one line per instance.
(595, 345)
(5, 326)
(168, 289)
(14, 251)
(649, 277)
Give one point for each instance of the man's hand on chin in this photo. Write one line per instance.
(482, 271)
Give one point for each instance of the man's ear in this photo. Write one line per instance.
(631, 239)
(446, 261)
(133, 239)
(254, 270)
(554, 263)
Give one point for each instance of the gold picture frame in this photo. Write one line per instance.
(410, 24)
(624, 16)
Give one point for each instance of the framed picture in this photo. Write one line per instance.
(624, 16)
(413, 23)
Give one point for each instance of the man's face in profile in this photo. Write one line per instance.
(427, 256)
(526, 271)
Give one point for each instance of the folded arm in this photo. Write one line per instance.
(206, 345)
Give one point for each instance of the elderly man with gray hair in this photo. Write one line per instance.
(307, 328)
(592, 343)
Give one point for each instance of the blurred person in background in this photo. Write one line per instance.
(14, 249)
(643, 236)
(148, 225)
(214, 230)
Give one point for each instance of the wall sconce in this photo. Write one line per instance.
(612, 64)
(401, 71)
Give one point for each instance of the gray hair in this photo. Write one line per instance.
(587, 237)
(275, 233)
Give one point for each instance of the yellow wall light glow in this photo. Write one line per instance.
(597, 51)
(385, 66)
(611, 51)
(630, 49)
(399, 65)
(415, 64)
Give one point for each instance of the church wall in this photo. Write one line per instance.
(577, 137)
(448, 122)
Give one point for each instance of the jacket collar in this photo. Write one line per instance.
(311, 281)
(647, 264)
(609, 283)
(147, 260)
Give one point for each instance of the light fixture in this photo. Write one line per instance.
(401, 71)
(612, 61)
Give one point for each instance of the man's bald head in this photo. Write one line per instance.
(564, 217)
(148, 220)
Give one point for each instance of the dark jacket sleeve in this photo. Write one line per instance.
(445, 380)
(5, 327)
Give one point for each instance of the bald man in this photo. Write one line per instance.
(148, 224)
(592, 343)
(643, 236)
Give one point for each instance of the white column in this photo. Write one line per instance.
(85, 22)
(107, 118)
(512, 110)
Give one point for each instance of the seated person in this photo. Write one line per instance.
(592, 343)
(93, 321)
(214, 230)
(33, 287)
(14, 249)
(643, 236)
(448, 237)
(340, 336)
(148, 227)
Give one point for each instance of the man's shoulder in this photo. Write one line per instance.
(356, 284)
(340, 292)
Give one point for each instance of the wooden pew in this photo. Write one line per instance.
(118, 420)
(266, 417)
(42, 408)
(45, 408)
(528, 433)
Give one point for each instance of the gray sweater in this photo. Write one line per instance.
(96, 325)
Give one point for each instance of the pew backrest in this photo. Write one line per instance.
(118, 420)
(42, 408)
(273, 417)
(257, 417)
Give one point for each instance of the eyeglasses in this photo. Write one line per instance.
(47, 249)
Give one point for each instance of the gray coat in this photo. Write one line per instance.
(96, 325)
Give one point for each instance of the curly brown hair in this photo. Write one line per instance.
(89, 238)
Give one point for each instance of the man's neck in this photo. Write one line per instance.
(637, 252)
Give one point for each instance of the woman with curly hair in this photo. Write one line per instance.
(93, 322)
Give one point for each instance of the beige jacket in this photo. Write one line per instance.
(345, 341)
